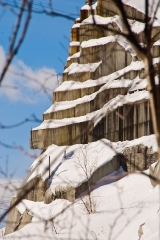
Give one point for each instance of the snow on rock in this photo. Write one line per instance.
(138, 84)
(74, 43)
(136, 26)
(133, 85)
(105, 40)
(116, 102)
(140, 5)
(149, 141)
(76, 25)
(95, 116)
(88, 7)
(66, 171)
(76, 55)
(70, 85)
(60, 122)
(77, 68)
(65, 160)
(27, 205)
(157, 43)
(57, 106)
(98, 19)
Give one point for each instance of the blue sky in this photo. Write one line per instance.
(42, 55)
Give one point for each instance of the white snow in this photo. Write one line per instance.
(96, 116)
(77, 68)
(67, 171)
(138, 84)
(76, 25)
(88, 7)
(136, 26)
(116, 102)
(57, 106)
(120, 208)
(98, 19)
(151, 229)
(133, 85)
(157, 43)
(74, 43)
(105, 40)
(70, 85)
(140, 5)
(59, 123)
(76, 55)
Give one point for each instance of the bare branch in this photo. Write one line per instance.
(14, 49)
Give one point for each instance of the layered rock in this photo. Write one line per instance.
(99, 69)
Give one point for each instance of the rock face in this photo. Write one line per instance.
(103, 95)
(33, 190)
(139, 157)
(16, 220)
(97, 71)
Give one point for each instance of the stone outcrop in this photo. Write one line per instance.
(94, 56)
(16, 220)
(33, 190)
(139, 157)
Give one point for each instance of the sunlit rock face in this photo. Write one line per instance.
(100, 70)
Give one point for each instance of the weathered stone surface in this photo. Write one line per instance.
(49, 196)
(33, 190)
(69, 95)
(65, 135)
(65, 193)
(156, 51)
(127, 122)
(87, 107)
(107, 8)
(91, 31)
(24, 220)
(139, 157)
(140, 231)
(16, 220)
(13, 218)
